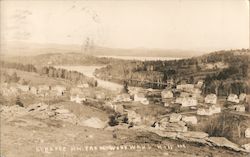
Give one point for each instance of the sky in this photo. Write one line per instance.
(163, 24)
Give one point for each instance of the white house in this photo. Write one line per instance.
(78, 99)
(242, 97)
(215, 109)
(247, 133)
(100, 95)
(140, 97)
(233, 98)
(84, 85)
(185, 94)
(34, 90)
(185, 87)
(239, 108)
(199, 84)
(204, 112)
(189, 119)
(211, 99)
(167, 94)
(123, 98)
(23, 88)
(134, 117)
(187, 101)
(59, 90)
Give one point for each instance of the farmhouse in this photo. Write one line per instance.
(59, 90)
(242, 97)
(167, 94)
(23, 88)
(199, 84)
(84, 85)
(233, 98)
(123, 98)
(187, 101)
(238, 108)
(185, 87)
(78, 99)
(211, 99)
(204, 112)
(140, 97)
(34, 90)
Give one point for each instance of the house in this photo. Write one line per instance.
(215, 109)
(199, 84)
(100, 95)
(59, 90)
(140, 97)
(23, 88)
(247, 133)
(34, 90)
(133, 117)
(185, 87)
(233, 98)
(185, 94)
(242, 97)
(211, 99)
(43, 88)
(204, 112)
(167, 94)
(189, 119)
(84, 85)
(77, 98)
(196, 93)
(123, 98)
(187, 101)
(75, 90)
(238, 108)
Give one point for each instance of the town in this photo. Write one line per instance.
(179, 111)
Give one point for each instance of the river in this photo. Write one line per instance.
(89, 71)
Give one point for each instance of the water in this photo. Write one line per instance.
(140, 58)
(89, 71)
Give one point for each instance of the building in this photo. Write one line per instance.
(199, 84)
(185, 87)
(77, 98)
(215, 109)
(233, 98)
(211, 99)
(123, 98)
(84, 85)
(100, 95)
(58, 90)
(204, 112)
(134, 117)
(23, 88)
(242, 97)
(187, 101)
(238, 108)
(34, 90)
(140, 97)
(167, 94)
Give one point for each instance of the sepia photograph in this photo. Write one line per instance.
(124, 78)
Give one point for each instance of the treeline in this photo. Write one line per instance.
(18, 66)
(74, 76)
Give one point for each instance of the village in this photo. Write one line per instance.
(176, 113)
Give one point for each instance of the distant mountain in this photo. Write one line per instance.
(28, 49)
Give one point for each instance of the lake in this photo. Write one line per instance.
(140, 58)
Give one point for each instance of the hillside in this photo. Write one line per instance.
(215, 68)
